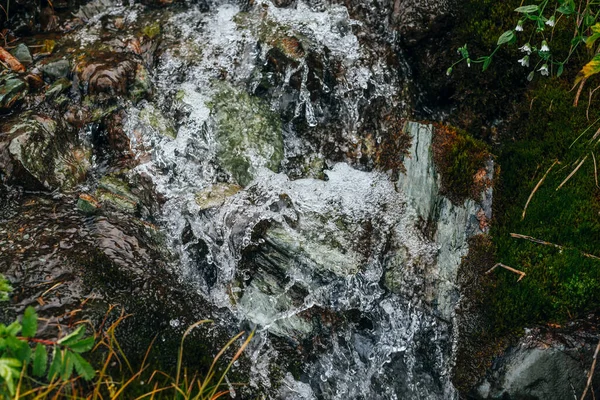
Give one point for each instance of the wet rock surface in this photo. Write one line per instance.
(260, 153)
(546, 364)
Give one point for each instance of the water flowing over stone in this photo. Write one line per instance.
(269, 142)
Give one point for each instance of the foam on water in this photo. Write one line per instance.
(323, 222)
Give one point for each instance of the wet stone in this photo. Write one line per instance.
(56, 69)
(215, 195)
(108, 74)
(87, 204)
(12, 89)
(21, 53)
(58, 87)
(46, 151)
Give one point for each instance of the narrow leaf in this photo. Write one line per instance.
(29, 322)
(506, 37)
(67, 366)
(40, 360)
(56, 364)
(9, 372)
(487, 63)
(527, 9)
(73, 337)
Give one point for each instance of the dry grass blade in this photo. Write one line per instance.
(558, 246)
(576, 100)
(572, 173)
(516, 271)
(536, 188)
(211, 370)
(591, 373)
(237, 355)
(180, 357)
(595, 170)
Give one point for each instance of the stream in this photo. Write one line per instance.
(271, 151)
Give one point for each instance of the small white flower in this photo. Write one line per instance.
(544, 70)
(544, 46)
(551, 21)
(519, 26)
(526, 48)
(524, 61)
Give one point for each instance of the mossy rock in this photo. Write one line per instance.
(117, 193)
(248, 133)
(460, 160)
(215, 195)
(45, 149)
(153, 117)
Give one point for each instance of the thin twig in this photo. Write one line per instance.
(536, 188)
(558, 246)
(572, 173)
(595, 170)
(591, 372)
(576, 101)
(516, 271)
(587, 111)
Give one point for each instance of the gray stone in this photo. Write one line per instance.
(57, 69)
(450, 225)
(541, 367)
(21, 53)
(248, 132)
(36, 144)
(58, 87)
(12, 89)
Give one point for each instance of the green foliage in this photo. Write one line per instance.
(561, 284)
(5, 288)
(17, 358)
(538, 28)
(460, 160)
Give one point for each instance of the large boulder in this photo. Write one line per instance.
(549, 364)
(40, 150)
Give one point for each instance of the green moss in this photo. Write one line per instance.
(561, 283)
(460, 160)
(248, 133)
(152, 30)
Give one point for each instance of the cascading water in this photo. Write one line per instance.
(253, 140)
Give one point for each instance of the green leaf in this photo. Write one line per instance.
(13, 329)
(589, 69)
(506, 37)
(83, 345)
(29, 322)
(19, 348)
(486, 63)
(5, 288)
(567, 8)
(589, 42)
(560, 69)
(83, 368)
(55, 366)
(40, 360)
(67, 366)
(589, 20)
(73, 337)
(9, 372)
(527, 9)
